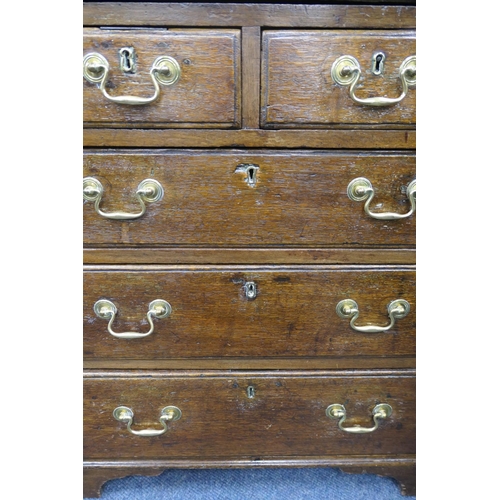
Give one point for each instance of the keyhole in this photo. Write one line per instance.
(378, 63)
(251, 391)
(251, 173)
(126, 64)
(127, 59)
(250, 290)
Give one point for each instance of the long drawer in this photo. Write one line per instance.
(306, 79)
(224, 312)
(243, 199)
(192, 78)
(248, 415)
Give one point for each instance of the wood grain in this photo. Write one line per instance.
(260, 363)
(285, 418)
(297, 87)
(292, 316)
(299, 199)
(249, 14)
(207, 93)
(287, 139)
(250, 53)
(165, 255)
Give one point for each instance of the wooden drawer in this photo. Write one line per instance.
(291, 313)
(207, 93)
(242, 199)
(250, 414)
(298, 89)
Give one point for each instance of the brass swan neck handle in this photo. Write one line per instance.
(379, 412)
(164, 71)
(347, 71)
(148, 191)
(105, 309)
(361, 189)
(348, 308)
(126, 415)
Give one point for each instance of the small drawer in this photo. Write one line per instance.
(260, 199)
(192, 75)
(300, 68)
(248, 415)
(238, 312)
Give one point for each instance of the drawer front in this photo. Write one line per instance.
(206, 94)
(243, 312)
(248, 415)
(298, 89)
(241, 199)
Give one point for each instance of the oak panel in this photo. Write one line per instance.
(299, 199)
(287, 139)
(292, 316)
(250, 14)
(285, 417)
(206, 95)
(165, 255)
(297, 88)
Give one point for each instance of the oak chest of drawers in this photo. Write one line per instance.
(249, 229)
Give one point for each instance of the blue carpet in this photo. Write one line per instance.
(254, 484)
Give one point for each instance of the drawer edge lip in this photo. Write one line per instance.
(248, 266)
(268, 152)
(215, 374)
(306, 461)
(246, 364)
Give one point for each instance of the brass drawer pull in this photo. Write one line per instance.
(125, 414)
(338, 411)
(165, 71)
(361, 189)
(347, 71)
(397, 309)
(148, 191)
(105, 309)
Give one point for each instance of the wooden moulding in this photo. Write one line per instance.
(316, 363)
(250, 96)
(228, 14)
(275, 256)
(402, 470)
(312, 139)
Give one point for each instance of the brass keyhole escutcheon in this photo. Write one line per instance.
(128, 59)
(250, 170)
(378, 63)
(250, 290)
